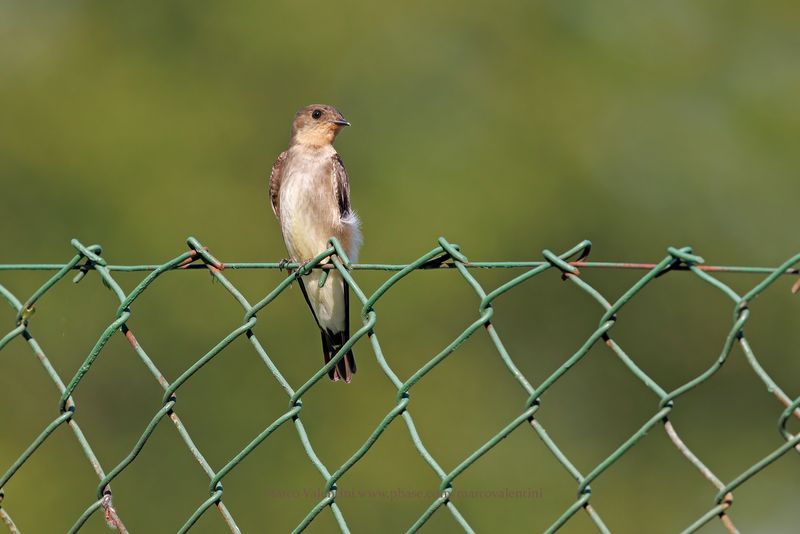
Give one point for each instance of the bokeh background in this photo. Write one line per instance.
(508, 127)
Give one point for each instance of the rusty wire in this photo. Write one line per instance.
(444, 255)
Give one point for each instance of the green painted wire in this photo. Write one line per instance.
(66, 399)
(445, 256)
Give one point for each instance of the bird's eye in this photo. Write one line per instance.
(316, 114)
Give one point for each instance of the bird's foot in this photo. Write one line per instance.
(301, 267)
(283, 263)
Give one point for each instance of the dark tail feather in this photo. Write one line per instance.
(331, 343)
(346, 367)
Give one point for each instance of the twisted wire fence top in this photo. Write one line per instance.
(444, 255)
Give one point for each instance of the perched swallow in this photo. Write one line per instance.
(310, 196)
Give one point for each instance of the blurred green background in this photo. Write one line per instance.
(507, 127)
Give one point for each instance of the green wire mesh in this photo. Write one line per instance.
(444, 256)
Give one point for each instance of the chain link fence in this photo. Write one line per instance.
(445, 255)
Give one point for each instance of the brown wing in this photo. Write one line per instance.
(275, 178)
(341, 185)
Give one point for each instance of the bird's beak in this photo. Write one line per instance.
(340, 122)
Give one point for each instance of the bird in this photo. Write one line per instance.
(310, 195)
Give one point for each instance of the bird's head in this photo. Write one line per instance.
(317, 124)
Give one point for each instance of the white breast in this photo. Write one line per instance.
(309, 211)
